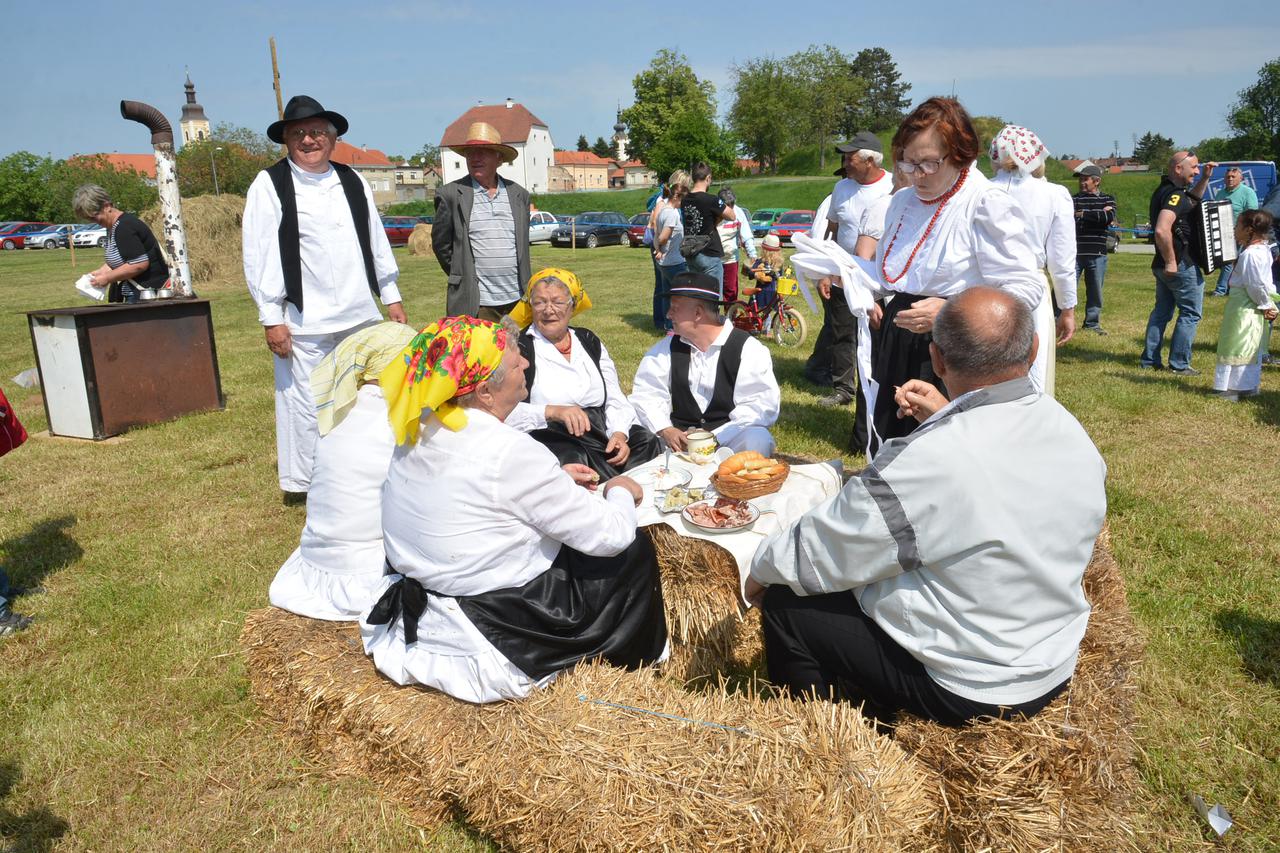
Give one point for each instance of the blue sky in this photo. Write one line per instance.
(401, 71)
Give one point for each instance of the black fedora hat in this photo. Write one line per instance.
(303, 107)
(696, 285)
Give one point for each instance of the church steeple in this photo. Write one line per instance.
(195, 127)
(620, 140)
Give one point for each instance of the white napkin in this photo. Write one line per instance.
(97, 294)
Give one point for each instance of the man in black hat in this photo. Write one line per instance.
(317, 261)
(708, 375)
(1095, 214)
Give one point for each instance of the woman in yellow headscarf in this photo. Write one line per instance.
(506, 570)
(574, 404)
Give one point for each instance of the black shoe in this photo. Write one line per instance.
(20, 591)
(12, 623)
(1097, 330)
(295, 498)
(831, 401)
(1185, 371)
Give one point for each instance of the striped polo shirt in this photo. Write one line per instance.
(492, 232)
(1091, 228)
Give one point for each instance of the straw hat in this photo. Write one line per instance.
(481, 134)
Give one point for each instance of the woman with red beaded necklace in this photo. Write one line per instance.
(951, 230)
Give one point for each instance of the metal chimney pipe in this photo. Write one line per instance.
(175, 236)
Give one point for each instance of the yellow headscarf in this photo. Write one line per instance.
(445, 360)
(359, 359)
(523, 312)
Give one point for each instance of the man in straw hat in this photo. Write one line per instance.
(945, 580)
(709, 375)
(316, 259)
(481, 230)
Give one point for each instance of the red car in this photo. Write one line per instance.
(792, 222)
(635, 229)
(13, 235)
(399, 228)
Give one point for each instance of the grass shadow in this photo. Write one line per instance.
(640, 322)
(30, 832)
(42, 550)
(1257, 640)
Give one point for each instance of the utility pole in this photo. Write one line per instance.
(275, 81)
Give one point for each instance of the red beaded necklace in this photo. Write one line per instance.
(941, 202)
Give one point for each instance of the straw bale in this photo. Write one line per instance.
(420, 240)
(568, 769)
(212, 224)
(1064, 779)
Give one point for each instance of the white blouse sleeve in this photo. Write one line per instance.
(651, 391)
(261, 246)
(543, 496)
(1255, 269)
(756, 397)
(618, 413)
(527, 417)
(1003, 250)
(1060, 249)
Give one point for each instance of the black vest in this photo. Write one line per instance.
(281, 175)
(684, 408)
(590, 343)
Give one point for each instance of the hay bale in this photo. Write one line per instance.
(1064, 779)
(420, 240)
(578, 767)
(212, 224)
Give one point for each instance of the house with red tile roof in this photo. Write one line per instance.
(638, 175)
(587, 171)
(374, 166)
(517, 127)
(143, 164)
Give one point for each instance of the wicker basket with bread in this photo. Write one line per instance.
(749, 475)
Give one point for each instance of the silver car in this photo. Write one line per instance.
(91, 235)
(541, 226)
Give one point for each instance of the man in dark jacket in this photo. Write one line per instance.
(481, 230)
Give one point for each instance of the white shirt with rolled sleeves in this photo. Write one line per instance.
(335, 288)
(572, 382)
(756, 396)
(851, 203)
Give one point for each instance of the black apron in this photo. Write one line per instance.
(896, 356)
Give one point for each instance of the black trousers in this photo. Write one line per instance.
(836, 345)
(825, 646)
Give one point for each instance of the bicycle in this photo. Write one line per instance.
(778, 319)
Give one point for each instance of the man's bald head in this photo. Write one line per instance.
(985, 336)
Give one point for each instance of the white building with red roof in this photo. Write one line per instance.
(519, 128)
(374, 166)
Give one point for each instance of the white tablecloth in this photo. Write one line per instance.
(806, 487)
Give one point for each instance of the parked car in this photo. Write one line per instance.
(591, 229)
(792, 222)
(90, 235)
(53, 237)
(763, 218)
(542, 226)
(399, 228)
(635, 231)
(15, 235)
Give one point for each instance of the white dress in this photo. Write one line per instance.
(337, 569)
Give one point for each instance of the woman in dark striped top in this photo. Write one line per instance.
(133, 257)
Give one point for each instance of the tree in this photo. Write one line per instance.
(129, 190)
(691, 138)
(1154, 150)
(428, 156)
(603, 148)
(24, 186)
(583, 144)
(765, 112)
(1255, 117)
(831, 89)
(664, 91)
(885, 100)
(253, 142)
(986, 127)
(236, 167)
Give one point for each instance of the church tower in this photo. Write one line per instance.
(620, 139)
(195, 127)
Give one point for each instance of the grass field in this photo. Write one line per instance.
(125, 717)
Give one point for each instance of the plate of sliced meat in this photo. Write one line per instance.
(721, 515)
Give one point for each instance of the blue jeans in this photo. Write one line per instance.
(668, 273)
(712, 266)
(1095, 270)
(5, 593)
(1185, 292)
(1223, 278)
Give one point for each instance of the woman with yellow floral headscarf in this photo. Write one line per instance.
(336, 570)
(507, 571)
(575, 405)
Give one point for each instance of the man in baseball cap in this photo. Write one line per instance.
(1095, 214)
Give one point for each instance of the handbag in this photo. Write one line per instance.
(11, 432)
(1113, 242)
(693, 245)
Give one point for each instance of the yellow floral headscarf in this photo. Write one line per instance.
(360, 358)
(445, 360)
(523, 312)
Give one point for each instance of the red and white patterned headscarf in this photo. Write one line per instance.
(1020, 145)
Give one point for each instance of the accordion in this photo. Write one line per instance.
(1213, 235)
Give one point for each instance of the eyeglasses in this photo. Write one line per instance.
(543, 305)
(319, 134)
(924, 167)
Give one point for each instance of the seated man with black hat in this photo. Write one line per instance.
(317, 262)
(709, 375)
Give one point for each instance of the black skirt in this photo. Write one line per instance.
(898, 355)
(589, 448)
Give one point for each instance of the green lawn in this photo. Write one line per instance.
(126, 720)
